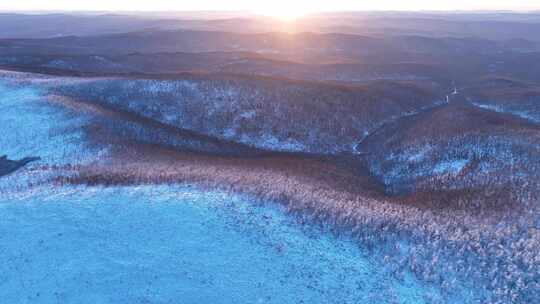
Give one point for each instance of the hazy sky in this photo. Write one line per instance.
(272, 7)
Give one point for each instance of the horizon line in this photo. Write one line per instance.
(524, 10)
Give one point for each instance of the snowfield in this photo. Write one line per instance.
(31, 127)
(168, 244)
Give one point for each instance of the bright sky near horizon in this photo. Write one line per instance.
(277, 8)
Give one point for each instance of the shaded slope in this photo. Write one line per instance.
(507, 95)
(225, 62)
(9, 166)
(479, 156)
(268, 113)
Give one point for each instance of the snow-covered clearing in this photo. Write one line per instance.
(166, 244)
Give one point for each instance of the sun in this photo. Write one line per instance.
(282, 10)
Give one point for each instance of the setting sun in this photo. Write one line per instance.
(279, 10)
(282, 9)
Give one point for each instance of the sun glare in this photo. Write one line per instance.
(288, 12)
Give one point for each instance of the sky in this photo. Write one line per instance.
(276, 8)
